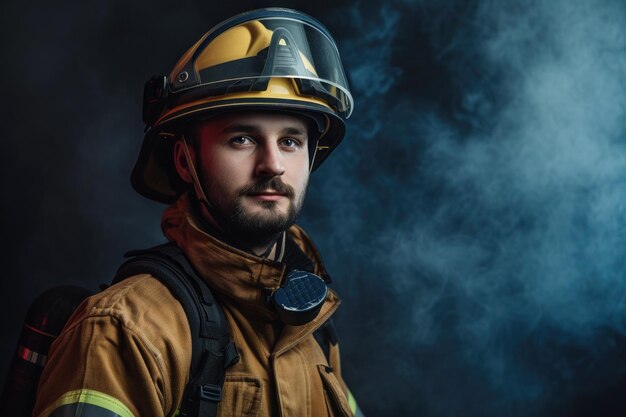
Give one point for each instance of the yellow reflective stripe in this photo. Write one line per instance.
(352, 403)
(88, 396)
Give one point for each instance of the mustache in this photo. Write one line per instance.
(275, 184)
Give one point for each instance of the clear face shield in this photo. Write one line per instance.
(247, 56)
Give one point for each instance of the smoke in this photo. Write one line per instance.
(489, 220)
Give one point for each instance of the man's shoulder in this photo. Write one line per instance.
(126, 339)
(138, 302)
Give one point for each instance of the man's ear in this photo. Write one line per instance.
(181, 162)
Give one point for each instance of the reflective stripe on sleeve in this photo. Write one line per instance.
(87, 403)
(354, 407)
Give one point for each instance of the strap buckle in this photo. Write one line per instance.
(211, 392)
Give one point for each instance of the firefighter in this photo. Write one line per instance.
(232, 135)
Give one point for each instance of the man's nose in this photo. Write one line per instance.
(270, 162)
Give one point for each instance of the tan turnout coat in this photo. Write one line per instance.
(128, 348)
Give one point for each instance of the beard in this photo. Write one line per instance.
(264, 225)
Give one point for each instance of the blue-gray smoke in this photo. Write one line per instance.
(486, 229)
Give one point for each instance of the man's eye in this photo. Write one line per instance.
(241, 140)
(291, 143)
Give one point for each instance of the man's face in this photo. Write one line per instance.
(254, 168)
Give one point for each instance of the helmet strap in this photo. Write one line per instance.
(194, 176)
(317, 144)
(216, 218)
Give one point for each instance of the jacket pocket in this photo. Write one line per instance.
(336, 399)
(241, 397)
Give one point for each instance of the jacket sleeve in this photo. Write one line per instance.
(116, 358)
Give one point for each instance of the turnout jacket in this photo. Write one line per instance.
(127, 350)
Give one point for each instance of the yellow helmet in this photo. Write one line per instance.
(266, 59)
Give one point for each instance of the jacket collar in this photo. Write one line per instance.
(235, 276)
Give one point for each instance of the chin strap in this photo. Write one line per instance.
(216, 217)
(317, 146)
(194, 176)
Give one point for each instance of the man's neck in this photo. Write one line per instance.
(268, 248)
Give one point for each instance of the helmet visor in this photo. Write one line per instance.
(246, 56)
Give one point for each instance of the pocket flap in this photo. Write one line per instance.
(337, 397)
(241, 396)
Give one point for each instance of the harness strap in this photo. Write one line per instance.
(326, 336)
(212, 348)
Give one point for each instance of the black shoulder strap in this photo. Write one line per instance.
(326, 336)
(212, 348)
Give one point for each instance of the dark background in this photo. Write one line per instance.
(473, 219)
